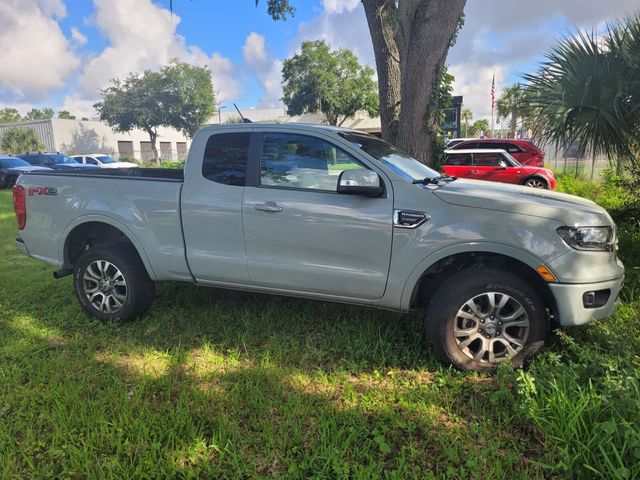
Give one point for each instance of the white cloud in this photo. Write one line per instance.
(78, 36)
(267, 69)
(143, 36)
(342, 24)
(36, 56)
(339, 6)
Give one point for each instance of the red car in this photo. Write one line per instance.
(522, 150)
(495, 166)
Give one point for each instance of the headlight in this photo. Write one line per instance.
(595, 239)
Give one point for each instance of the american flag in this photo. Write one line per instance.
(493, 91)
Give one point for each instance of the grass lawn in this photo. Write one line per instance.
(218, 384)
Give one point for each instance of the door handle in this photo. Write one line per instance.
(268, 207)
(473, 171)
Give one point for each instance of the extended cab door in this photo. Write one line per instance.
(211, 206)
(300, 234)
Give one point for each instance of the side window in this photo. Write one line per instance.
(89, 160)
(225, 158)
(298, 161)
(459, 159)
(487, 159)
(488, 145)
(510, 147)
(465, 145)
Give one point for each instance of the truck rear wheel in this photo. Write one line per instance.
(481, 316)
(111, 282)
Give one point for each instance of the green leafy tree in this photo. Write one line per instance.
(9, 115)
(20, 140)
(189, 97)
(65, 115)
(512, 104)
(38, 114)
(179, 96)
(467, 116)
(332, 82)
(479, 127)
(587, 92)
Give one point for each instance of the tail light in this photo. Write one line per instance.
(20, 206)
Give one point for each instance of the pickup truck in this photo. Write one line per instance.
(336, 215)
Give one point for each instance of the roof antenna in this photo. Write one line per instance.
(244, 120)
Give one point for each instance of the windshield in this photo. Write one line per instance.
(513, 161)
(59, 158)
(392, 158)
(12, 162)
(104, 159)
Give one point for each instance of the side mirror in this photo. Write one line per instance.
(360, 181)
(503, 164)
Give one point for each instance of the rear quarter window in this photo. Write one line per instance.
(225, 158)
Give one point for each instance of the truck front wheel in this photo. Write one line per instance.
(111, 282)
(482, 316)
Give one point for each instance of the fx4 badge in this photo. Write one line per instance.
(42, 191)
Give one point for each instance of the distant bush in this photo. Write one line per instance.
(609, 193)
(167, 164)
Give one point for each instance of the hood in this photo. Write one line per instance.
(119, 165)
(503, 197)
(28, 169)
(69, 166)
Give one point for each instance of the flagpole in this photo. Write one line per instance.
(493, 96)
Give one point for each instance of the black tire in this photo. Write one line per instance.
(536, 182)
(451, 300)
(118, 302)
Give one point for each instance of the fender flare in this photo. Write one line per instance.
(488, 247)
(115, 224)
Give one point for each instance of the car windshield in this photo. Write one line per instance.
(513, 161)
(59, 158)
(392, 158)
(104, 159)
(12, 162)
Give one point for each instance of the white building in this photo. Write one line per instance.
(92, 136)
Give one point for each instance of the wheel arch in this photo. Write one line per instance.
(88, 231)
(436, 268)
(535, 175)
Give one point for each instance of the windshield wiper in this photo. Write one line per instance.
(434, 180)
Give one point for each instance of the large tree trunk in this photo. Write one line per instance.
(424, 33)
(381, 17)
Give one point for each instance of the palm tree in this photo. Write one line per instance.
(511, 104)
(587, 91)
(466, 116)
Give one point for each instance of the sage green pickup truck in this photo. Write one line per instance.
(336, 215)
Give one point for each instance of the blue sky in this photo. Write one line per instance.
(60, 53)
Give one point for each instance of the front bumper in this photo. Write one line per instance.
(570, 301)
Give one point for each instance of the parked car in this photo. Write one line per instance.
(54, 161)
(12, 167)
(101, 160)
(523, 151)
(496, 166)
(349, 218)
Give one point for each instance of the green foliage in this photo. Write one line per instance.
(467, 116)
(39, 114)
(332, 82)
(279, 9)
(512, 104)
(588, 91)
(9, 115)
(178, 96)
(610, 193)
(478, 127)
(20, 140)
(65, 115)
